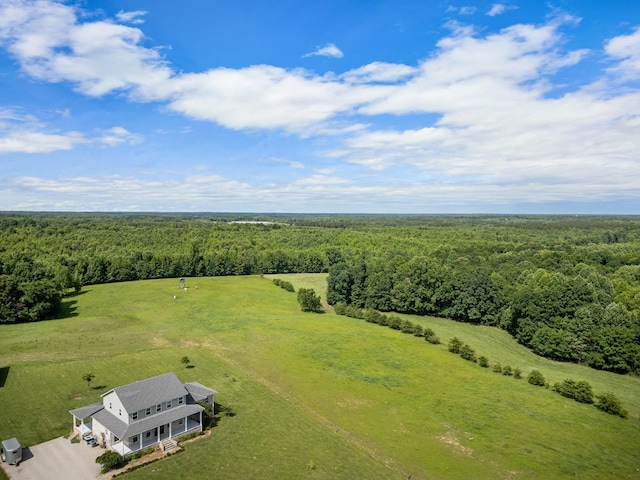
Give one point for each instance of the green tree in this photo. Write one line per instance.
(468, 353)
(109, 461)
(454, 345)
(536, 378)
(88, 377)
(185, 361)
(608, 402)
(308, 300)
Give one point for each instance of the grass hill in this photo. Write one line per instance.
(314, 395)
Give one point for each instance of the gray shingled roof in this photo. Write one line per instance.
(140, 395)
(88, 411)
(122, 430)
(198, 391)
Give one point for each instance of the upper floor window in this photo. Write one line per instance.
(134, 416)
(169, 404)
(180, 400)
(120, 411)
(147, 411)
(158, 407)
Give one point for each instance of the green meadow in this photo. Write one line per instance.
(314, 395)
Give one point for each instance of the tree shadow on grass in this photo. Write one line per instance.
(67, 309)
(99, 387)
(76, 294)
(4, 373)
(190, 366)
(221, 411)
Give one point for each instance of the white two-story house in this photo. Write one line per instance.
(141, 414)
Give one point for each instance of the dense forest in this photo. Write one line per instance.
(566, 287)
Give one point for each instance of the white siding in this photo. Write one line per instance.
(111, 399)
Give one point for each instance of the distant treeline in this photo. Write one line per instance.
(567, 287)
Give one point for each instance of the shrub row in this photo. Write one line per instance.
(288, 286)
(391, 321)
(580, 391)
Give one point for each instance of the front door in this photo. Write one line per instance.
(162, 430)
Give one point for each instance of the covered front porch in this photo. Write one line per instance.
(153, 436)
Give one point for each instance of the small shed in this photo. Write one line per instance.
(11, 451)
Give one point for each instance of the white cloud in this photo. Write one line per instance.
(98, 57)
(627, 49)
(379, 72)
(329, 50)
(131, 17)
(115, 136)
(499, 9)
(36, 142)
(467, 10)
(264, 96)
(22, 133)
(499, 133)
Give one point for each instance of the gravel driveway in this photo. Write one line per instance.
(57, 459)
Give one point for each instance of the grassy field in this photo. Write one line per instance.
(314, 395)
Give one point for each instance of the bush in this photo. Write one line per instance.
(517, 373)
(418, 331)
(142, 453)
(536, 378)
(395, 322)
(454, 345)
(497, 367)
(483, 361)
(432, 339)
(372, 316)
(309, 301)
(468, 353)
(354, 312)
(340, 308)
(507, 370)
(427, 332)
(109, 461)
(406, 326)
(608, 402)
(288, 286)
(580, 391)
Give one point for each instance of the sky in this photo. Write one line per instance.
(320, 106)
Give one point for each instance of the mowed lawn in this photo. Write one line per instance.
(313, 395)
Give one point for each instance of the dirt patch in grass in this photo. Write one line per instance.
(449, 438)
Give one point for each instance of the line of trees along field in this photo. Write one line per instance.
(566, 287)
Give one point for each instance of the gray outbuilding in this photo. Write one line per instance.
(11, 451)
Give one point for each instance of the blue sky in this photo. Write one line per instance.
(320, 106)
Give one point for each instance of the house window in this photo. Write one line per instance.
(110, 407)
(147, 411)
(169, 404)
(120, 411)
(158, 407)
(134, 416)
(134, 439)
(148, 434)
(181, 421)
(180, 400)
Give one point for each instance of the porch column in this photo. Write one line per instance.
(201, 420)
(170, 436)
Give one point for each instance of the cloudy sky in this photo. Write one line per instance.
(378, 106)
